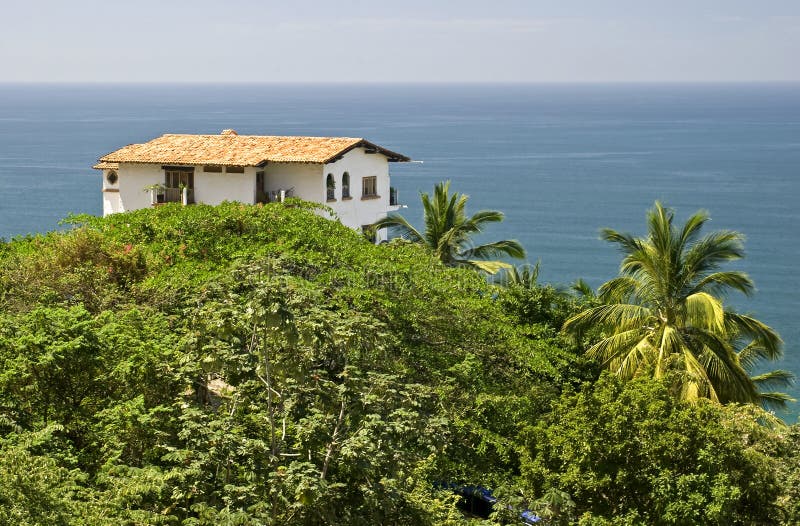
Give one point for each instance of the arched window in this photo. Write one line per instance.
(346, 186)
(331, 187)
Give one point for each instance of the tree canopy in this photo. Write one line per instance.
(263, 365)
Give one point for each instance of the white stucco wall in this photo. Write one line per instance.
(209, 188)
(133, 178)
(214, 188)
(303, 177)
(358, 211)
(111, 199)
(111, 203)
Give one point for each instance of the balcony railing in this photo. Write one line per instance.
(172, 195)
(278, 196)
(393, 197)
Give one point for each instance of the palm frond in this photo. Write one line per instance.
(692, 228)
(507, 247)
(485, 216)
(618, 290)
(490, 267)
(622, 316)
(583, 289)
(659, 227)
(635, 362)
(402, 226)
(729, 379)
(774, 400)
(626, 242)
(778, 378)
(765, 337)
(622, 351)
(705, 311)
(721, 282)
(707, 254)
(751, 355)
(700, 384)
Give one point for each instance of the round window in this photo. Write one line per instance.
(111, 177)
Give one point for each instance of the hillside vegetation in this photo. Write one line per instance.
(263, 365)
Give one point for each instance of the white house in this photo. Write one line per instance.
(349, 175)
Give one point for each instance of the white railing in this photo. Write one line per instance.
(171, 195)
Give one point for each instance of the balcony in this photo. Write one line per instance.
(164, 194)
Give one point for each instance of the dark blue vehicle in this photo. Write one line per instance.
(479, 501)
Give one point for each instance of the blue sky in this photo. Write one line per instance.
(410, 41)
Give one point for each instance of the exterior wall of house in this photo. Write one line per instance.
(302, 178)
(112, 202)
(133, 178)
(209, 188)
(214, 188)
(358, 210)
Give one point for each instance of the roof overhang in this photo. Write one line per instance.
(371, 148)
(105, 165)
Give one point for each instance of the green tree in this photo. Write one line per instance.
(449, 232)
(630, 453)
(664, 314)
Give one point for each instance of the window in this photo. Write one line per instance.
(369, 186)
(346, 186)
(175, 180)
(111, 177)
(210, 168)
(234, 169)
(331, 187)
(178, 178)
(261, 194)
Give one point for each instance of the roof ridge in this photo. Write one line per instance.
(266, 136)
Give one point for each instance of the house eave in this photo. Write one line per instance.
(370, 148)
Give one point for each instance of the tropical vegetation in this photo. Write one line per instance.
(450, 233)
(256, 365)
(665, 315)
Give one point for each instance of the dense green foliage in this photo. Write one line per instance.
(263, 365)
(631, 450)
(666, 317)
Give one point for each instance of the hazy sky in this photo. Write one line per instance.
(409, 40)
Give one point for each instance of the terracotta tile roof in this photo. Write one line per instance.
(102, 165)
(231, 149)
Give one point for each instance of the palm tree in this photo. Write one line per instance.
(525, 276)
(664, 314)
(448, 232)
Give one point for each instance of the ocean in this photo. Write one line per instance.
(561, 161)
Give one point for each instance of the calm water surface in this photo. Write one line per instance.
(560, 160)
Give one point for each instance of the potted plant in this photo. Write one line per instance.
(156, 190)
